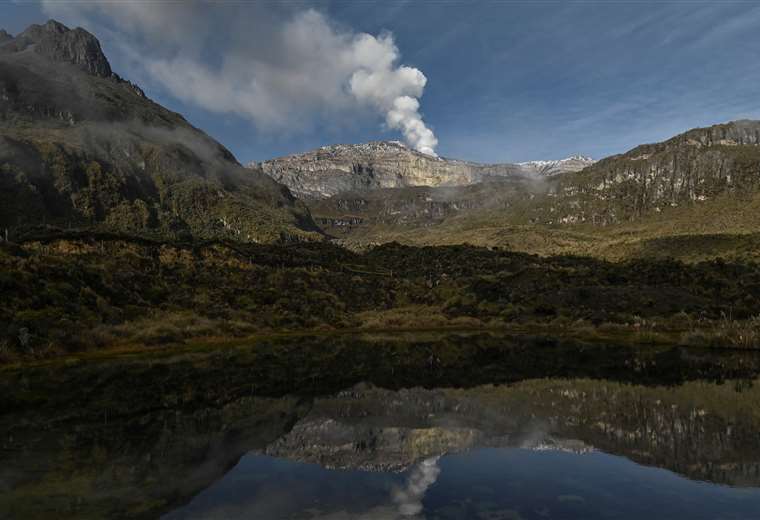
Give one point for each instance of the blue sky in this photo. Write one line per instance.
(506, 81)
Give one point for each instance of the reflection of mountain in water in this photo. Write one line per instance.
(701, 430)
(145, 434)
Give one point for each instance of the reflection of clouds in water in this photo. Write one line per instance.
(404, 502)
(409, 499)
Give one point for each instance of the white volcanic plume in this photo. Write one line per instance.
(392, 89)
(284, 68)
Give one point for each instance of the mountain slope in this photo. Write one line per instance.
(702, 182)
(336, 169)
(81, 147)
(690, 168)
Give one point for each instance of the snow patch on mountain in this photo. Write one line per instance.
(555, 167)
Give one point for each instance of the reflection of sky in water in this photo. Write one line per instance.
(488, 484)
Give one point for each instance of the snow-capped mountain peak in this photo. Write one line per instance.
(575, 162)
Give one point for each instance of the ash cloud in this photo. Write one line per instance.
(283, 67)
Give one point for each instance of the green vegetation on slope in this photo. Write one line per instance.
(85, 149)
(693, 197)
(64, 293)
(726, 227)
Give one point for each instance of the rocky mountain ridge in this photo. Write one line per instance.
(573, 163)
(335, 169)
(705, 180)
(690, 168)
(57, 42)
(82, 148)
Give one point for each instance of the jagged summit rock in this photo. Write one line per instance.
(59, 43)
(330, 170)
(4, 36)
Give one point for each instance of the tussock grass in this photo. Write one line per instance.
(727, 333)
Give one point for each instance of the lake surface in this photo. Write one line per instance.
(419, 426)
(487, 483)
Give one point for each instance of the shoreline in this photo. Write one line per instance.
(607, 333)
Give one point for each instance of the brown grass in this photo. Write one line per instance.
(413, 316)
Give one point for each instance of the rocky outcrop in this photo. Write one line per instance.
(57, 42)
(336, 169)
(690, 168)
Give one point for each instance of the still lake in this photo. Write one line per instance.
(385, 426)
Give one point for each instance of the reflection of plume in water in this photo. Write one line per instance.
(409, 499)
